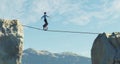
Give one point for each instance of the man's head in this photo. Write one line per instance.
(44, 12)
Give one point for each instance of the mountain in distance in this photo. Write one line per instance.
(31, 56)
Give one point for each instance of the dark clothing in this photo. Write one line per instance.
(45, 20)
(46, 23)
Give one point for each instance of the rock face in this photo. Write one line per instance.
(106, 49)
(11, 41)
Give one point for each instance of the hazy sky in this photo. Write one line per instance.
(74, 15)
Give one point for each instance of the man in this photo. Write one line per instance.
(45, 20)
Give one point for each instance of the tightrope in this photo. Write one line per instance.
(61, 30)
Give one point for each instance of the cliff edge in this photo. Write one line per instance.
(106, 49)
(11, 41)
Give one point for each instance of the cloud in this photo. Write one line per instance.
(78, 12)
(10, 8)
(104, 13)
(110, 13)
(81, 20)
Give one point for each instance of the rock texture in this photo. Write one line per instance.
(106, 49)
(11, 41)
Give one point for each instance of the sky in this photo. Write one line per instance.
(72, 15)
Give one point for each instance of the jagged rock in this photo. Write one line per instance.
(11, 41)
(106, 49)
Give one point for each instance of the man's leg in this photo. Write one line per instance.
(45, 25)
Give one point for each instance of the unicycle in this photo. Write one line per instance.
(45, 28)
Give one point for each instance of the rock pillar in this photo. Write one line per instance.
(11, 41)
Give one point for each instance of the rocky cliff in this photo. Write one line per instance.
(11, 41)
(106, 49)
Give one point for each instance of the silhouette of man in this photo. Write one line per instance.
(45, 20)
